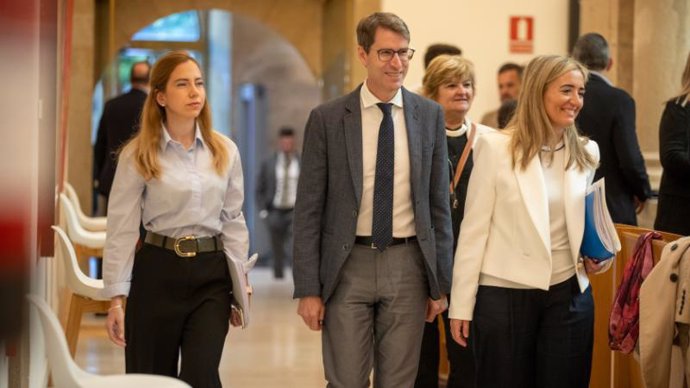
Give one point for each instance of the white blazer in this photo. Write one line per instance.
(506, 232)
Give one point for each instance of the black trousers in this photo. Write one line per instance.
(178, 306)
(460, 359)
(533, 338)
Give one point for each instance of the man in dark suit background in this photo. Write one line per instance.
(608, 117)
(275, 194)
(372, 231)
(120, 120)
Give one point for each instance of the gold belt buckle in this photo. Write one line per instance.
(179, 252)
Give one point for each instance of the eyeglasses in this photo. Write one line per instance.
(386, 55)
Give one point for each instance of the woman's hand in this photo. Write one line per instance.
(593, 267)
(460, 330)
(235, 316)
(115, 323)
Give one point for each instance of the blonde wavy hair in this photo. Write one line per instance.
(444, 69)
(145, 146)
(531, 127)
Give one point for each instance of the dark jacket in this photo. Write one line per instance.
(330, 190)
(266, 184)
(119, 122)
(608, 117)
(673, 213)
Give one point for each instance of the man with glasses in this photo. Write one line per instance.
(372, 231)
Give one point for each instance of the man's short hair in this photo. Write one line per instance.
(136, 77)
(508, 66)
(437, 49)
(366, 28)
(286, 132)
(592, 50)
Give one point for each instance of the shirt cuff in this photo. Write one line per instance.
(116, 289)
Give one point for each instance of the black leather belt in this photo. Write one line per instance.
(186, 246)
(366, 240)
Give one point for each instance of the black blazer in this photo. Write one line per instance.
(119, 122)
(608, 117)
(674, 152)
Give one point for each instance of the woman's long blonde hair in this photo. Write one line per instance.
(531, 127)
(146, 144)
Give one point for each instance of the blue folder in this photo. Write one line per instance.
(600, 240)
(592, 245)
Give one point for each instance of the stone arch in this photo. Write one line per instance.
(287, 18)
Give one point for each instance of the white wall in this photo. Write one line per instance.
(481, 29)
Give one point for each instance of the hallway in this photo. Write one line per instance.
(277, 350)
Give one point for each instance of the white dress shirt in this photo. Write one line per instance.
(403, 214)
(292, 177)
(189, 198)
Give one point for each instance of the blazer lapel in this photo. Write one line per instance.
(352, 126)
(574, 190)
(414, 139)
(533, 190)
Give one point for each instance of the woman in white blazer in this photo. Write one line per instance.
(518, 276)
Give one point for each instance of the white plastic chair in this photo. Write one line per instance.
(67, 374)
(87, 293)
(86, 242)
(93, 224)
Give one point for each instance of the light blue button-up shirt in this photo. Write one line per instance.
(189, 198)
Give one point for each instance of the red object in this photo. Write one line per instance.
(624, 322)
(522, 34)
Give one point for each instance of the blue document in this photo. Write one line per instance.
(600, 240)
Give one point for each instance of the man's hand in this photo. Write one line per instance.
(460, 330)
(312, 311)
(435, 307)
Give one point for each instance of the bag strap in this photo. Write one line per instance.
(463, 158)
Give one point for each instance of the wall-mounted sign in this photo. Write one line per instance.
(521, 34)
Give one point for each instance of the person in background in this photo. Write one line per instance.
(450, 81)
(518, 276)
(608, 118)
(276, 192)
(183, 181)
(119, 122)
(437, 49)
(506, 112)
(372, 232)
(673, 212)
(509, 81)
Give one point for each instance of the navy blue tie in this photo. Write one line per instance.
(382, 223)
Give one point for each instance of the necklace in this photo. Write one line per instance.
(558, 147)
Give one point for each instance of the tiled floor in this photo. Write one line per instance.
(276, 350)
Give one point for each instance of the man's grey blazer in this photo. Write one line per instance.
(330, 191)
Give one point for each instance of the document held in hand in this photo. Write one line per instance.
(241, 290)
(600, 241)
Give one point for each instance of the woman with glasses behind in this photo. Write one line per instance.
(450, 81)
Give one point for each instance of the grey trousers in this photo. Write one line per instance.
(375, 318)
